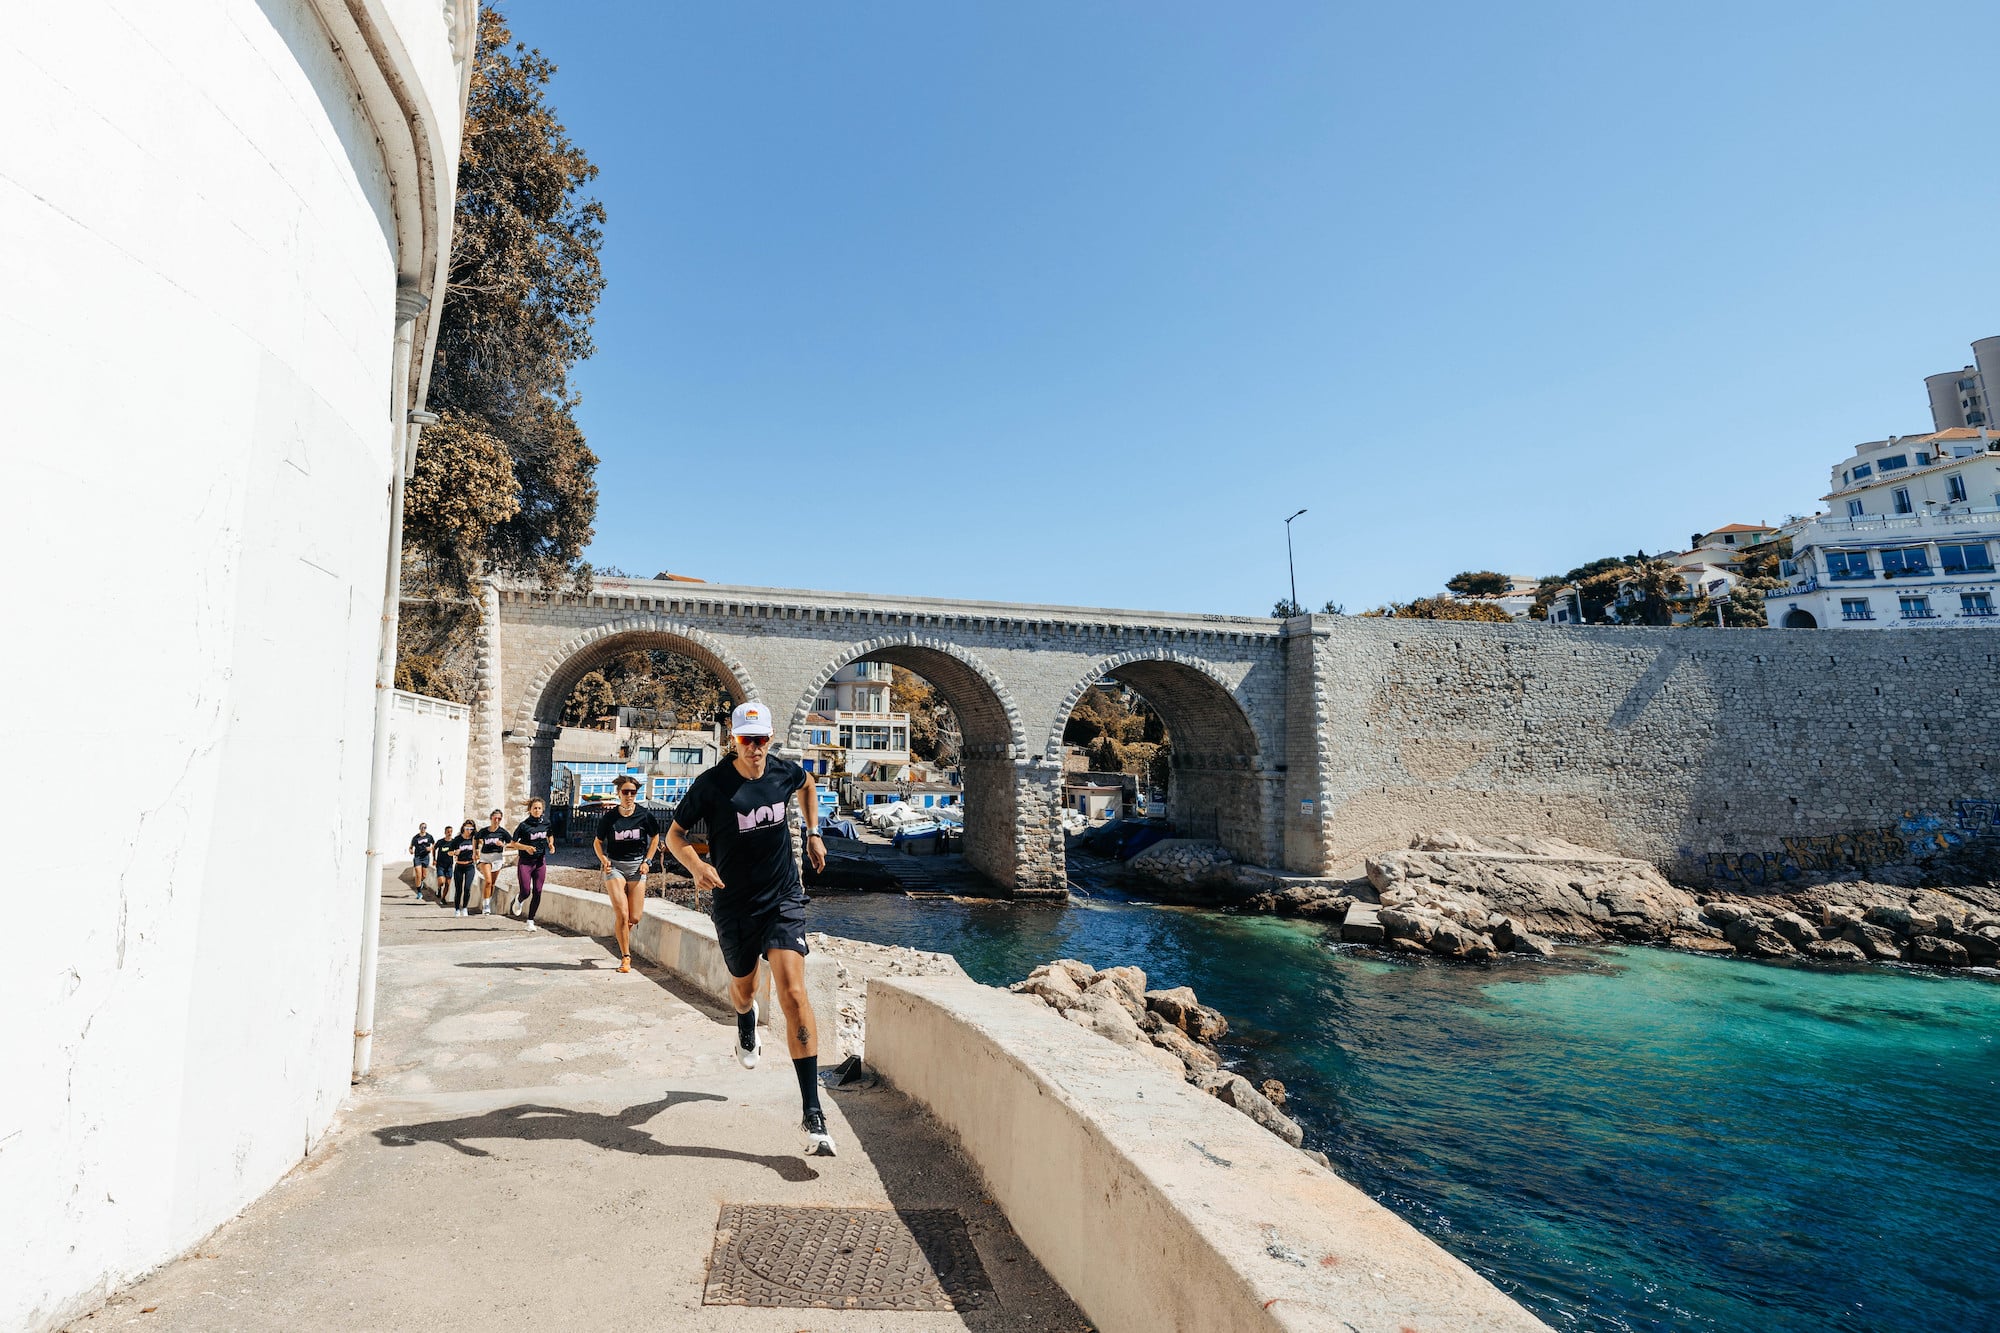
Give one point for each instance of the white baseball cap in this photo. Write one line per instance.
(750, 719)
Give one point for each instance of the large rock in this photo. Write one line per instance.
(1101, 1012)
(1874, 942)
(1054, 986)
(1235, 1090)
(1131, 985)
(1934, 952)
(1187, 1050)
(1173, 1005)
(1983, 944)
(1545, 885)
(1798, 932)
(1362, 924)
(1834, 951)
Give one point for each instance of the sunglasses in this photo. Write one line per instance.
(628, 791)
(755, 742)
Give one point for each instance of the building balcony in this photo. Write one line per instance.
(1920, 615)
(1956, 518)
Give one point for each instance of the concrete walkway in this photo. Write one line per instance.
(547, 1144)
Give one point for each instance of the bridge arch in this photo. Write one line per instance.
(1013, 851)
(538, 720)
(1220, 752)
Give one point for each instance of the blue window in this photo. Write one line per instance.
(1969, 559)
(1903, 505)
(1848, 565)
(1854, 509)
(1905, 561)
(1975, 604)
(1863, 470)
(684, 754)
(1916, 608)
(1855, 608)
(1892, 462)
(1954, 488)
(1923, 459)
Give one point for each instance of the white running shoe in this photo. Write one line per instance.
(818, 1143)
(486, 908)
(531, 925)
(747, 1055)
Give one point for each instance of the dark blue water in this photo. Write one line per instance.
(1623, 1139)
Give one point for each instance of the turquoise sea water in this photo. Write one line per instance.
(1622, 1139)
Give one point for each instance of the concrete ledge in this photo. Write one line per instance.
(1156, 1206)
(683, 942)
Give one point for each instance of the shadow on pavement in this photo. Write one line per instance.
(587, 965)
(617, 1133)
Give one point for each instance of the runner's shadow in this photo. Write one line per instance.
(587, 965)
(618, 1133)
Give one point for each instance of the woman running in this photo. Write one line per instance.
(420, 856)
(463, 849)
(492, 855)
(627, 840)
(531, 840)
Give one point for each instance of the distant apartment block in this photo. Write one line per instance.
(1909, 538)
(1960, 398)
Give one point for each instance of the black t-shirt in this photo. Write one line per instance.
(420, 846)
(749, 838)
(534, 832)
(464, 848)
(493, 840)
(626, 837)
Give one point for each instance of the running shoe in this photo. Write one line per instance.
(818, 1143)
(746, 1055)
(531, 925)
(514, 908)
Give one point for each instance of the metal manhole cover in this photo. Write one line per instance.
(844, 1259)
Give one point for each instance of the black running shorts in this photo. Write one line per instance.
(746, 936)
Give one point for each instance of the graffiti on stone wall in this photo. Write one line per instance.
(1917, 834)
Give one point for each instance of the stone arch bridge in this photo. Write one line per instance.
(1303, 744)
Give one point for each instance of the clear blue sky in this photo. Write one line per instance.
(1073, 302)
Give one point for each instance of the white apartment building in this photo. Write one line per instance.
(853, 727)
(1908, 541)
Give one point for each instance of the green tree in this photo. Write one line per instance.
(1333, 608)
(933, 725)
(506, 480)
(1105, 756)
(1286, 608)
(1651, 588)
(1479, 583)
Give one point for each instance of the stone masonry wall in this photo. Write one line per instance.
(1721, 756)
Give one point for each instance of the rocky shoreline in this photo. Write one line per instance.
(1172, 1028)
(1475, 898)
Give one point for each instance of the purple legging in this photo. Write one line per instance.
(531, 877)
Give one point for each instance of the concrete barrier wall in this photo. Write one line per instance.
(683, 942)
(1155, 1206)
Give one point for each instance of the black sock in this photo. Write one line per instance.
(807, 1068)
(746, 1029)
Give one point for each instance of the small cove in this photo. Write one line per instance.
(1621, 1138)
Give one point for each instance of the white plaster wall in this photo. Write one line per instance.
(196, 251)
(427, 744)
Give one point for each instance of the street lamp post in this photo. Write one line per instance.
(1289, 568)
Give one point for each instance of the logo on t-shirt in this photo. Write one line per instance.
(747, 820)
(628, 835)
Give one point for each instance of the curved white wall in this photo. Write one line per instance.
(199, 254)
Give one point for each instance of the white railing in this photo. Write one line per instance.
(1974, 516)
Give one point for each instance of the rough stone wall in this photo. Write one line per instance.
(1720, 756)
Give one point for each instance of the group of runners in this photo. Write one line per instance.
(743, 806)
(475, 855)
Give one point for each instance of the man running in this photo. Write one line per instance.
(531, 840)
(628, 838)
(420, 856)
(759, 904)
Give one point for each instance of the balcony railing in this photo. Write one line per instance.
(1920, 615)
(1973, 516)
(1976, 611)
(1861, 615)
